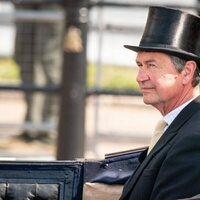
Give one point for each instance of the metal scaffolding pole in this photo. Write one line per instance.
(71, 128)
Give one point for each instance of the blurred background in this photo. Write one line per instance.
(67, 84)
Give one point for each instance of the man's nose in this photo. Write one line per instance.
(142, 76)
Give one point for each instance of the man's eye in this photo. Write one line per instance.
(151, 65)
(139, 65)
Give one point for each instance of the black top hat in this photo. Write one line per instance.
(171, 31)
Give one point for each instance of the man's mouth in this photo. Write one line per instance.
(146, 89)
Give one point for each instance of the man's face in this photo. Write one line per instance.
(159, 81)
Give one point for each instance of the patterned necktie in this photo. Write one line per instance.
(159, 129)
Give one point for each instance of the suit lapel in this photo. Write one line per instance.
(169, 134)
(179, 121)
(133, 180)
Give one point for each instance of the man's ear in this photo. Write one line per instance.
(188, 71)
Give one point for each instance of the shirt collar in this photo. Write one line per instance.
(169, 118)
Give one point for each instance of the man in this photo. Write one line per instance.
(168, 76)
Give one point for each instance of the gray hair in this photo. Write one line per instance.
(179, 64)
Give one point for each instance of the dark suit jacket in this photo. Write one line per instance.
(172, 169)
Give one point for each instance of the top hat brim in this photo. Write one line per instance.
(166, 49)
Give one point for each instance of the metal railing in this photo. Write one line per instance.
(71, 95)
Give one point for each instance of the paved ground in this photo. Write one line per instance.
(123, 123)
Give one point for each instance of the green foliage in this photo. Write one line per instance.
(114, 77)
(9, 71)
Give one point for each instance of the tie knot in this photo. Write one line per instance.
(157, 133)
(160, 126)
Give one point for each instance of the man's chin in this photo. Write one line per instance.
(149, 101)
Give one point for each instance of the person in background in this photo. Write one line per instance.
(168, 60)
(38, 52)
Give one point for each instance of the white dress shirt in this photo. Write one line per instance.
(169, 118)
